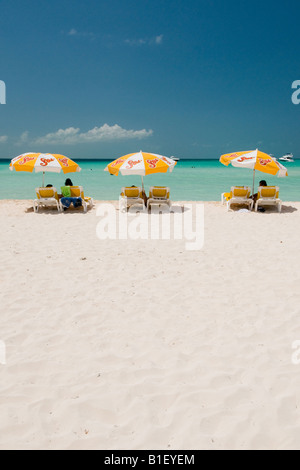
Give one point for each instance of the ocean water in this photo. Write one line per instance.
(191, 180)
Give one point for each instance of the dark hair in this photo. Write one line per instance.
(49, 186)
(263, 183)
(68, 182)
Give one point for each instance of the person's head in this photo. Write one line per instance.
(68, 182)
(263, 183)
(49, 186)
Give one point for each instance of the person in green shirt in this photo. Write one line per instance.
(67, 200)
(66, 190)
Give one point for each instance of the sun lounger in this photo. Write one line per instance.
(239, 195)
(77, 191)
(159, 195)
(132, 196)
(225, 197)
(46, 197)
(268, 196)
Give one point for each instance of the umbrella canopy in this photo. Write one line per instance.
(142, 164)
(42, 162)
(256, 161)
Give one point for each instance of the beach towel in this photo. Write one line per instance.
(67, 201)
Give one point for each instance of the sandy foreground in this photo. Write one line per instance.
(141, 344)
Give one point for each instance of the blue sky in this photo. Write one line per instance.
(194, 79)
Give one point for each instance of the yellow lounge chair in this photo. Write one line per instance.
(77, 191)
(46, 197)
(239, 195)
(268, 196)
(225, 197)
(132, 196)
(159, 195)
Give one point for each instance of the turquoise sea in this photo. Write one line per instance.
(191, 180)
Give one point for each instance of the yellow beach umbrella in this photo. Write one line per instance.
(256, 161)
(141, 163)
(42, 162)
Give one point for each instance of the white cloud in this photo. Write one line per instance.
(159, 39)
(3, 138)
(73, 135)
(145, 41)
(135, 42)
(74, 32)
(24, 137)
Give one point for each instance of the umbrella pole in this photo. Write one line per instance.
(143, 183)
(43, 179)
(253, 188)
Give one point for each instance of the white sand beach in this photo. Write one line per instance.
(122, 344)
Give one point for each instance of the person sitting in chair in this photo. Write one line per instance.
(255, 196)
(67, 198)
(68, 182)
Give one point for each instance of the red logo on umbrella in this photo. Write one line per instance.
(152, 163)
(25, 160)
(120, 160)
(63, 161)
(264, 162)
(46, 161)
(243, 159)
(132, 163)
